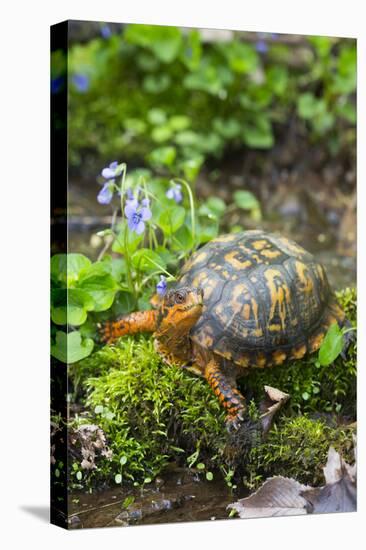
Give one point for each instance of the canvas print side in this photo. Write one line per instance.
(58, 215)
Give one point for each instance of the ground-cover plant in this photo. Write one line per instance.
(156, 225)
(227, 94)
(132, 395)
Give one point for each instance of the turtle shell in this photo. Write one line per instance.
(266, 299)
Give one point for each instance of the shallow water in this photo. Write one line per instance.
(179, 494)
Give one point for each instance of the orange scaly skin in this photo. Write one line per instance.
(226, 392)
(140, 321)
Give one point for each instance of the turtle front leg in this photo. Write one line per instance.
(139, 321)
(225, 389)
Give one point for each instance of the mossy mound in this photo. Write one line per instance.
(152, 413)
(298, 447)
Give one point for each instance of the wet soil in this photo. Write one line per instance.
(178, 495)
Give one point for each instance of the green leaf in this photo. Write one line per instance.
(258, 134)
(115, 266)
(347, 111)
(118, 479)
(191, 54)
(214, 208)
(209, 476)
(123, 460)
(200, 466)
(161, 133)
(79, 475)
(246, 200)
(99, 409)
(308, 106)
(156, 116)
(191, 167)
(164, 42)
(206, 231)
(70, 306)
(242, 57)
(332, 345)
(184, 238)
(179, 122)
(187, 138)
(124, 303)
(147, 260)
(229, 128)
(277, 79)
(99, 284)
(65, 268)
(132, 240)
(155, 84)
(171, 219)
(128, 501)
(163, 156)
(70, 348)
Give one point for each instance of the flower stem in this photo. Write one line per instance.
(125, 234)
(191, 203)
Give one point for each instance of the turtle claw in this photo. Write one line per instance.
(233, 422)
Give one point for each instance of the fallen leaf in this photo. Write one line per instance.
(273, 402)
(339, 494)
(278, 496)
(282, 496)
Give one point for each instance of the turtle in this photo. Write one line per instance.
(244, 300)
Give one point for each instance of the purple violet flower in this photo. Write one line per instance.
(175, 193)
(56, 84)
(112, 171)
(105, 195)
(261, 46)
(130, 195)
(81, 82)
(161, 286)
(137, 214)
(105, 31)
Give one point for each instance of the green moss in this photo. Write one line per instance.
(298, 447)
(152, 413)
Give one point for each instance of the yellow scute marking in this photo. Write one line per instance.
(261, 360)
(315, 341)
(246, 312)
(258, 245)
(299, 352)
(279, 357)
(230, 257)
(243, 361)
(224, 239)
(303, 274)
(280, 296)
(270, 254)
(199, 258)
(292, 246)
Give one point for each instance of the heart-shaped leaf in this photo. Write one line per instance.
(332, 345)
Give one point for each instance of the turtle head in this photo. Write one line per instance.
(179, 311)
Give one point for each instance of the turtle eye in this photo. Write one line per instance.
(180, 297)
